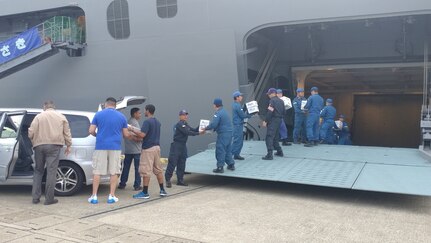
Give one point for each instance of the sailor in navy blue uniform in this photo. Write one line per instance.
(328, 118)
(178, 151)
(221, 124)
(272, 121)
(300, 118)
(314, 106)
(238, 116)
(343, 132)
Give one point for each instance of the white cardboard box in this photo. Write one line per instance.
(339, 124)
(203, 124)
(303, 103)
(287, 102)
(252, 107)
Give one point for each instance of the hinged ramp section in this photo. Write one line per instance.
(380, 169)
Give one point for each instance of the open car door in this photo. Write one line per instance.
(9, 133)
(126, 101)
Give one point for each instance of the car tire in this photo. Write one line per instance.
(70, 179)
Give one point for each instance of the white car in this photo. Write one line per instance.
(74, 171)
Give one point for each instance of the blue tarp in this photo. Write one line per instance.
(19, 45)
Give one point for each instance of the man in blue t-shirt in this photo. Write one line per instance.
(150, 155)
(111, 126)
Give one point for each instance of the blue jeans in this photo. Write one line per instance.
(127, 163)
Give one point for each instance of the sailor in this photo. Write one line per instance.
(178, 151)
(328, 116)
(222, 125)
(343, 131)
(283, 129)
(238, 116)
(314, 106)
(272, 121)
(300, 118)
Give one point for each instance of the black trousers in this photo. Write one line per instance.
(273, 134)
(177, 158)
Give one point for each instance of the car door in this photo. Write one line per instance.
(9, 134)
(126, 101)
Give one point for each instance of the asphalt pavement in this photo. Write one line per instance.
(218, 209)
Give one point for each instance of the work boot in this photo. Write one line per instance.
(180, 183)
(231, 167)
(268, 156)
(168, 183)
(279, 153)
(238, 157)
(309, 144)
(218, 170)
(286, 143)
(316, 143)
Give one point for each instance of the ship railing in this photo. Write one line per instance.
(61, 29)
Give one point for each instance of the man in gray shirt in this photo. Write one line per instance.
(132, 151)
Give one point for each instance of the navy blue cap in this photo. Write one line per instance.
(341, 116)
(299, 90)
(279, 91)
(183, 112)
(314, 89)
(236, 94)
(329, 101)
(218, 102)
(271, 91)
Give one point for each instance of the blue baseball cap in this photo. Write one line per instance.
(341, 116)
(271, 91)
(218, 102)
(329, 101)
(279, 91)
(236, 94)
(299, 90)
(183, 112)
(314, 89)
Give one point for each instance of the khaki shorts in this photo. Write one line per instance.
(107, 162)
(150, 162)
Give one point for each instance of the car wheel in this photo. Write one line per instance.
(70, 179)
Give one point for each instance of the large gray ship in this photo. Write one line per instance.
(369, 56)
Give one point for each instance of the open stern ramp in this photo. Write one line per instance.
(380, 169)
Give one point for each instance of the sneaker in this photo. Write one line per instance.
(112, 199)
(93, 199)
(141, 195)
(121, 186)
(238, 157)
(163, 193)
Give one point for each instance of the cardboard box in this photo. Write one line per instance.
(252, 107)
(303, 103)
(339, 124)
(203, 124)
(287, 102)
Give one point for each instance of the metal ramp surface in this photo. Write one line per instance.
(393, 170)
